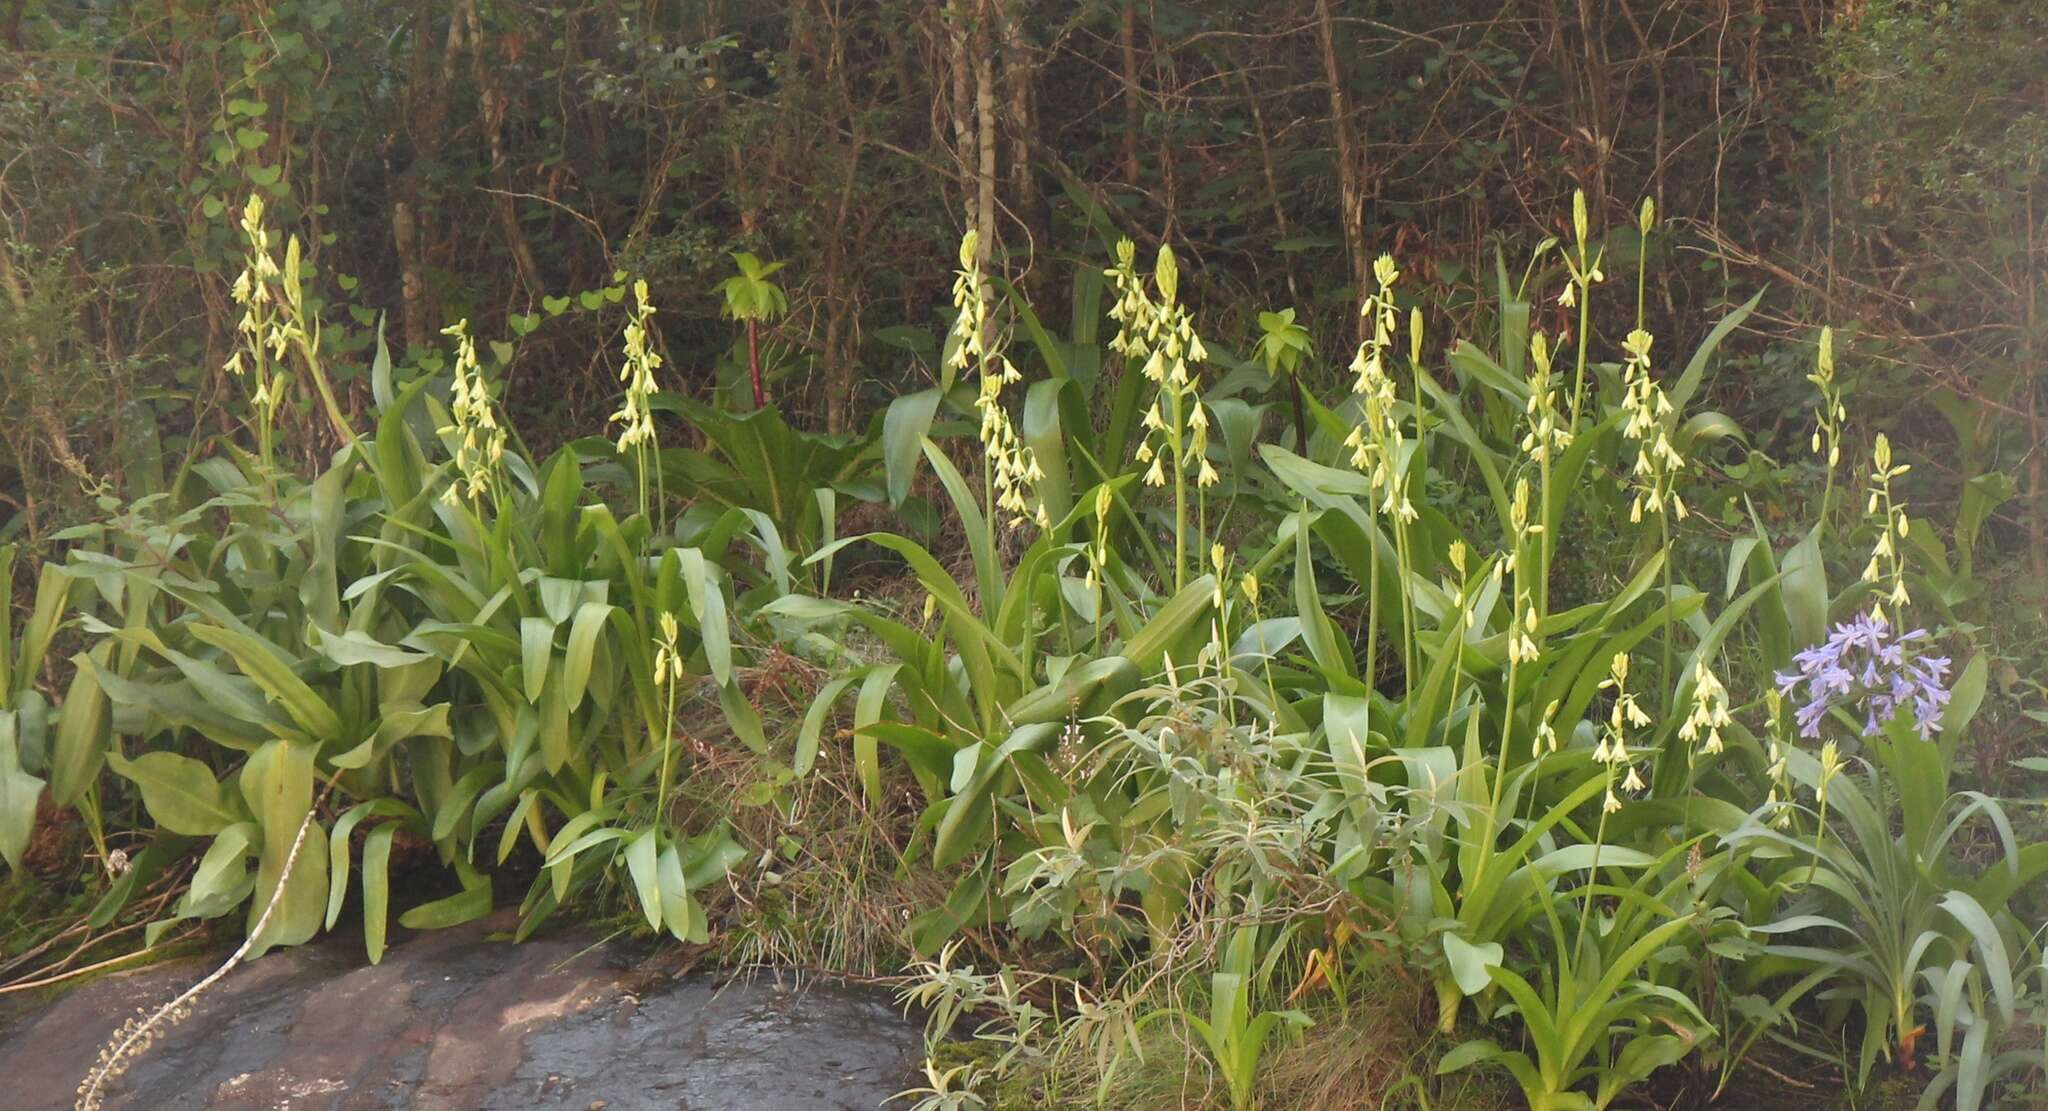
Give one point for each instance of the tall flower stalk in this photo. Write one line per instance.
(1546, 438)
(1887, 567)
(263, 330)
(1523, 627)
(1779, 801)
(1528, 559)
(636, 412)
(275, 324)
(1524, 623)
(1160, 331)
(1584, 273)
(1829, 415)
(1831, 765)
(1377, 443)
(1709, 714)
(1098, 556)
(668, 674)
(473, 423)
(1623, 714)
(1649, 428)
(1012, 473)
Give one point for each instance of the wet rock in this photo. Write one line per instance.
(453, 1020)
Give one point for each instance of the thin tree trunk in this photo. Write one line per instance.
(1596, 104)
(1350, 158)
(493, 102)
(754, 363)
(1280, 224)
(842, 320)
(985, 124)
(1020, 71)
(1272, 178)
(962, 104)
(427, 104)
(1127, 37)
(412, 282)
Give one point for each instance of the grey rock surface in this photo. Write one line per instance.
(455, 1020)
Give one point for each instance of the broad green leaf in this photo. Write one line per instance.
(536, 651)
(904, 427)
(277, 784)
(557, 742)
(456, 804)
(868, 708)
(376, 889)
(582, 651)
(353, 646)
(1042, 432)
(1805, 588)
(180, 793)
(222, 879)
(53, 592)
(1475, 1052)
(467, 905)
(988, 575)
(744, 719)
(1148, 648)
(809, 733)
(640, 867)
(18, 794)
(709, 605)
(685, 920)
(967, 819)
(1469, 962)
(266, 664)
(1308, 605)
(82, 730)
(1990, 945)
(1688, 381)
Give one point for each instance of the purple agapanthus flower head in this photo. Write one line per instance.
(1864, 665)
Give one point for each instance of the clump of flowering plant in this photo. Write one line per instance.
(1864, 665)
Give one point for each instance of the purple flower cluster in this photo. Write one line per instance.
(1862, 664)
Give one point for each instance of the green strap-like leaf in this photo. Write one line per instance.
(81, 741)
(179, 792)
(467, 905)
(813, 727)
(904, 428)
(277, 784)
(581, 654)
(266, 664)
(18, 794)
(709, 604)
(640, 868)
